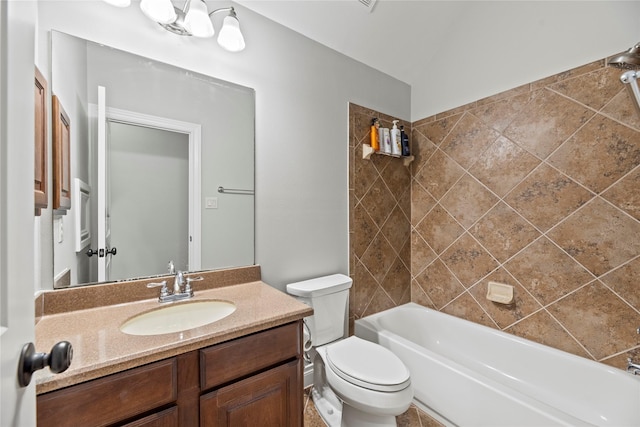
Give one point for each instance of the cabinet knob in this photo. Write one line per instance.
(58, 360)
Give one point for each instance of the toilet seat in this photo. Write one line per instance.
(359, 362)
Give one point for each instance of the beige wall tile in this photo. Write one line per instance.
(594, 89)
(543, 328)
(468, 261)
(439, 229)
(599, 154)
(547, 272)
(599, 319)
(598, 236)
(546, 122)
(503, 232)
(547, 196)
(468, 200)
(625, 194)
(503, 165)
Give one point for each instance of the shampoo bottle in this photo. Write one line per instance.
(396, 150)
(385, 140)
(375, 142)
(404, 142)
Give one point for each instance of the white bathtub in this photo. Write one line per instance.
(466, 374)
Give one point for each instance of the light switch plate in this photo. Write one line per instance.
(211, 203)
(60, 231)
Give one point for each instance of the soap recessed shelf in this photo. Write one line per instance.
(367, 151)
(500, 293)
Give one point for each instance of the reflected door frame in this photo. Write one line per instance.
(194, 132)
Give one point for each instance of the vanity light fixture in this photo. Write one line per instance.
(194, 19)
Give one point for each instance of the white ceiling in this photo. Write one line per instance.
(385, 37)
(454, 52)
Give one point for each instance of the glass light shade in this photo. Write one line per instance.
(197, 20)
(118, 3)
(230, 37)
(160, 11)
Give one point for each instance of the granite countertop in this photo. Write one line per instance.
(100, 348)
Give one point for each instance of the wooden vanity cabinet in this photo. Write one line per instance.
(250, 381)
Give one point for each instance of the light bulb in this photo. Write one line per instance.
(197, 20)
(161, 11)
(230, 37)
(118, 3)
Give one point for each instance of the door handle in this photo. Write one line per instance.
(111, 251)
(91, 252)
(58, 360)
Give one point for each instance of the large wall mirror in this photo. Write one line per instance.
(161, 167)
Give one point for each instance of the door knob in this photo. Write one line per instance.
(111, 251)
(58, 360)
(91, 252)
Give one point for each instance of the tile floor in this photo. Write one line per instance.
(412, 418)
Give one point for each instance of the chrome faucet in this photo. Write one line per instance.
(178, 282)
(633, 368)
(181, 288)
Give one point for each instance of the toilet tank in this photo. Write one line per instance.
(329, 297)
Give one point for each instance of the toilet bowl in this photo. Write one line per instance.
(356, 383)
(372, 385)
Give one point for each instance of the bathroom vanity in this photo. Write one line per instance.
(245, 369)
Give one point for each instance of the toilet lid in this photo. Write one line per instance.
(367, 365)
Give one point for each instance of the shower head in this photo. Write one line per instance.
(629, 60)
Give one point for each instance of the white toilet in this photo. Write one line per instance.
(356, 383)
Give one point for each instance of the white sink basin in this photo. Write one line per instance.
(178, 317)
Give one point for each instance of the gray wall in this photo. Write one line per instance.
(72, 93)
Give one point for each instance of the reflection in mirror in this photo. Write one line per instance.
(147, 159)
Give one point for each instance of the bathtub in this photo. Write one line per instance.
(465, 374)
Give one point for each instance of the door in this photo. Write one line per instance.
(105, 251)
(268, 399)
(17, 119)
(149, 203)
(181, 193)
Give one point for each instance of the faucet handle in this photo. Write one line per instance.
(164, 291)
(188, 281)
(156, 284)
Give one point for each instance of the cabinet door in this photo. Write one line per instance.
(61, 141)
(41, 158)
(166, 418)
(270, 399)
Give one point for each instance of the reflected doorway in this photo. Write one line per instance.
(149, 199)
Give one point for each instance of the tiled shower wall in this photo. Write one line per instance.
(537, 187)
(379, 223)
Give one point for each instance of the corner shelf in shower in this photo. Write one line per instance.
(367, 152)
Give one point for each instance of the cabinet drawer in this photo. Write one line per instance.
(225, 362)
(110, 399)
